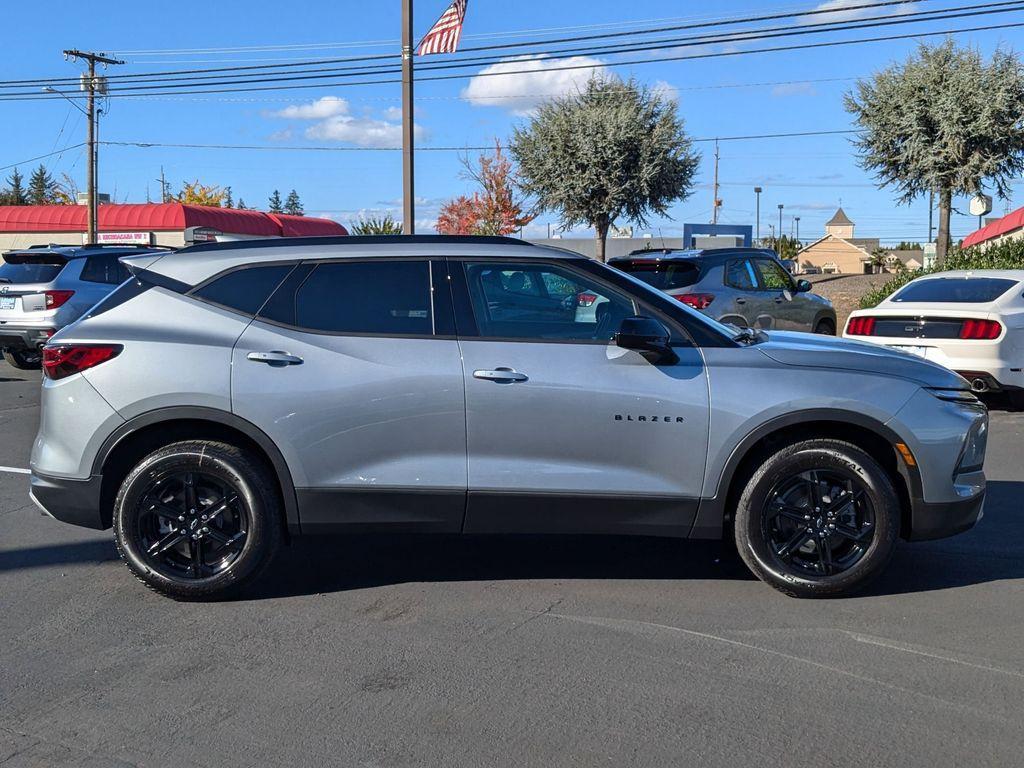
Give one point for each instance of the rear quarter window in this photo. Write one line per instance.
(956, 290)
(244, 290)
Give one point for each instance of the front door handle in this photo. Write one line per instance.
(741, 301)
(501, 375)
(275, 358)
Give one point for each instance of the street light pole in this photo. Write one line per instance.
(781, 206)
(408, 172)
(757, 215)
(797, 220)
(91, 86)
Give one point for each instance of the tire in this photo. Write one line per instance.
(23, 359)
(198, 497)
(779, 508)
(825, 328)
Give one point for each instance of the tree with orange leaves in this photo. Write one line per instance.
(495, 209)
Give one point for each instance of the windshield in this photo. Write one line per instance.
(18, 269)
(663, 275)
(958, 290)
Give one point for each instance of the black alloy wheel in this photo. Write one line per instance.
(819, 522)
(198, 520)
(192, 524)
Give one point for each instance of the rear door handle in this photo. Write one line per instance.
(275, 358)
(741, 301)
(501, 375)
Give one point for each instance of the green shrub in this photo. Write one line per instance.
(1008, 254)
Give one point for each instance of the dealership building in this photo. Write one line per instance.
(168, 224)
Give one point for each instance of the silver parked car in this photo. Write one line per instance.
(746, 287)
(43, 288)
(233, 394)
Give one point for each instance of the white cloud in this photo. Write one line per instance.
(794, 89)
(530, 81)
(844, 13)
(327, 106)
(335, 122)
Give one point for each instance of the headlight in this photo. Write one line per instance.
(972, 456)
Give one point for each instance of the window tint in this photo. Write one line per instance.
(774, 276)
(16, 269)
(665, 275)
(104, 268)
(740, 274)
(244, 289)
(966, 290)
(565, 305)
(378, 297)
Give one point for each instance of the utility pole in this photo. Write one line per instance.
(757, 205)
(797, 220)
(90, 85)
(408, 171)
(781, 206)
(715, 203)
(931, 213)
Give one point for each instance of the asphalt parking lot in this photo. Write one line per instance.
(518, 652)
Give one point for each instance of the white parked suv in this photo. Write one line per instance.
(972, 322)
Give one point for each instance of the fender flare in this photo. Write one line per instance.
(712, 512)
(224, 418)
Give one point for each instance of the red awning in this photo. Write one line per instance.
(162, 217)
(1009, 223)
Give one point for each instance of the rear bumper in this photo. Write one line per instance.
(71, 501)
(24, 338)
(943, 519)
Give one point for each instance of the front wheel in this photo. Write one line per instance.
(197, 520)
(24, 359)
(825, 328)
(818, 518)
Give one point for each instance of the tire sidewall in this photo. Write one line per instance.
(754, 549)
(127, 520)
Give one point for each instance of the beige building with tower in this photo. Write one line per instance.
(839, 251)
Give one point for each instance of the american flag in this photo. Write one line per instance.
(443, 37)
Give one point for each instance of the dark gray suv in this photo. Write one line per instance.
(45, 287)
(746, 287)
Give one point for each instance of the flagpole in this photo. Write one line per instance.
(408, 173)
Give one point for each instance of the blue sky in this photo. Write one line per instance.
(728, 96)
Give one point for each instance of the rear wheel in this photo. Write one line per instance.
(818, 519)
(24, 359)
(825, 327)
(197, 520)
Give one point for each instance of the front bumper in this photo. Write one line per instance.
(71, 501)
(943, 519)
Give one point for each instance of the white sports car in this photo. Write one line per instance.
(969, 321)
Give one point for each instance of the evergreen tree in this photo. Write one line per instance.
(15, 192)
(42, 187)
(241, 205)
(275, 203)
(229, 202)
(293, 205)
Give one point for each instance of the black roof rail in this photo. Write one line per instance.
(357, 240)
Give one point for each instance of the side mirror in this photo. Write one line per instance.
(803, 286)
(648, 337)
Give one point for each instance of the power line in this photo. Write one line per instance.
(163, 79)
(41, 157)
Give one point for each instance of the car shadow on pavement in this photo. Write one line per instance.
(991, 552)
(95, 551)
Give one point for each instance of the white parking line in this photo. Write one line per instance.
(16, 470)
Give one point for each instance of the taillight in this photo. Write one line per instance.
(62, 360)
(980, 329)
(861, 326)
(697, 300)
(56, 299)
(585, 299)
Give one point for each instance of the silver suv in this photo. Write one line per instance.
(745, 287)
(43, 288)
(232, 395)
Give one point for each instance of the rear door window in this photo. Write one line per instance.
(663, 275)
(22, 269)
(774, 276)
(957, 290)
(373, 298)
(739, 274)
